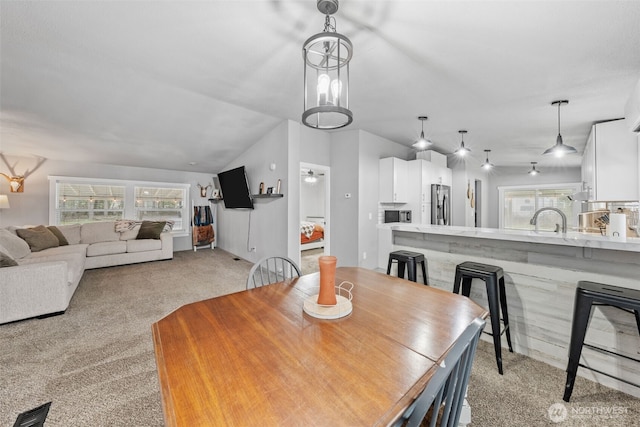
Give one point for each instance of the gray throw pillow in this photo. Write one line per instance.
(39, 238)
(56, 231)
(6, 260)
(150, 230)
(14, 245)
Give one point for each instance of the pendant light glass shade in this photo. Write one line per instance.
(462, 150)
(326, 74)
(560, 149)
(533, 171)
(422, 142)
(487, 164)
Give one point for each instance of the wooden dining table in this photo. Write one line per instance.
(255, 358)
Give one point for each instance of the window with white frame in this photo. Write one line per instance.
(517, 204)
(79, 200)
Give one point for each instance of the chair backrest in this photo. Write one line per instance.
(448, 384)
(272, 270)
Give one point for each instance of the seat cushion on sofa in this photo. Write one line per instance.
(69, 249)
(15, 246)
(106, 248)
(71, 232)
(143, 245)
(75, 263)
(94, 232)
(38, 238)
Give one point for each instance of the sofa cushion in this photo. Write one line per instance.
(69, 249)
(107, 248)
(75, 263)
(143, 245)
(94, 232)
(71, 233)
(62, 241)
(38, 238)
(15, 246)
(151, 229)
(6, 260)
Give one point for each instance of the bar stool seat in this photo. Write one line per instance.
(589, 294)
(411, 260)
(494, 280)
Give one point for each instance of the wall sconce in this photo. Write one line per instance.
(16, 183)
(4, 201)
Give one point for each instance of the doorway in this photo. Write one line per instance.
(314, 215)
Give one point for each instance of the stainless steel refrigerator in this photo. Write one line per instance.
(440, 204)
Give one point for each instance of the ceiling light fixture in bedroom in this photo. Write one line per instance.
(311, 178)
(326, 74)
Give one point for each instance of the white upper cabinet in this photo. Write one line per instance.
(610, 162)
(393, 180)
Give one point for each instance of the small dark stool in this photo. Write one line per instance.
(589, 294)
(494, 279)
(410, 259)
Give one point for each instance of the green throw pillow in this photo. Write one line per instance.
(61, 239)
(39, 238)
(150, 229)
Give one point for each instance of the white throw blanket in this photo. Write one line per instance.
(307, 228)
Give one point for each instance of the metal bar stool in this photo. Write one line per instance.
(493, 278)
(410, 259)
(589, 294)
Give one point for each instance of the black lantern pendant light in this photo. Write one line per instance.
(326, 74)
(560, 149)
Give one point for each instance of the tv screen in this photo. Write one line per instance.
(235, 189)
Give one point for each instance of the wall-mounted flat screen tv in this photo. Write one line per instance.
(234, 186)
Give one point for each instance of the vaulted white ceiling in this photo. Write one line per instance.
(164, 83)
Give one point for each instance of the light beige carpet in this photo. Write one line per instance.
(96, 361)
(309, 260)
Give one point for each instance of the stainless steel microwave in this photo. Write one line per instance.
(397, 216)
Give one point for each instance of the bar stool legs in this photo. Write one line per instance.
(589, 294)
(496, 296)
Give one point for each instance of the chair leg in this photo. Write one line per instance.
(389, 266)
(466, 285)
(505, 314)
(494, 313)
(456, 281)
(581, 314)
(637, 313)
(411, 267)
(401, 269)
(424, 278)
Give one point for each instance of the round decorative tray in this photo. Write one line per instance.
(342, 308)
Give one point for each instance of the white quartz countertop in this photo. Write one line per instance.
(571, 238)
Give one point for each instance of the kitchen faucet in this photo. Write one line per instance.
(534, 219)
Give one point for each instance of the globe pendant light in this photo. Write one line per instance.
(487, 165)
(533, 171)
(422, 142)
(326, 74)
(462, 150)
(560, 149)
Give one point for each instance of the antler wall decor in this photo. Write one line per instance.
(203, 190)
(16, 182)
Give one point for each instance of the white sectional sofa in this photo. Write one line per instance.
(44, 282)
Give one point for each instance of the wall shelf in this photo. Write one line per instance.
(266, 196)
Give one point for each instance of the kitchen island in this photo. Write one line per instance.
(542, 270)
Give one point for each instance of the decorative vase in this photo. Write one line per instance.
(327, 295)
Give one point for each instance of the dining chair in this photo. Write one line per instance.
(272, 270)
(445, 391)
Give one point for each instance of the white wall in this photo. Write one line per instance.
(32, 206)
(518, 176)
(464, 174)
(268, 230)
(311, 198)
